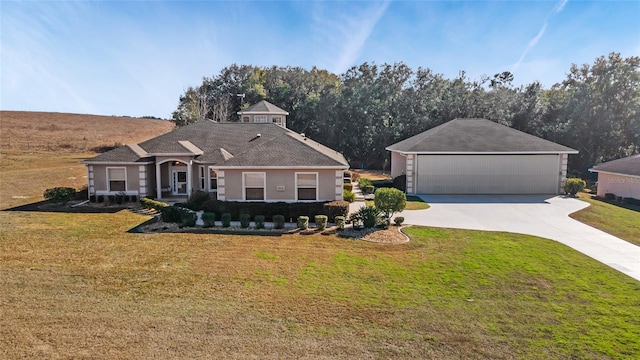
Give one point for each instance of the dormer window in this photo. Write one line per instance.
(277, 120)
(260, 119)
(245, 119)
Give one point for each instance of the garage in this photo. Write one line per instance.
(479, 156)
(488, 174)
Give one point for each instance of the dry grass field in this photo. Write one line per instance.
(26, 131)
(43, 150)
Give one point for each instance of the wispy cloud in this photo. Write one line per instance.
(348, 33)
(533, 42)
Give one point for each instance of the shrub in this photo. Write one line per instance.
(188, 218)
(226, 220)
(321, 222)
(303, 222)
(347, 187)
(348, 196)
(369, 189)
(335, 208)
(355, 176)
(398, 220)
(153, 204)
(198, 198)
(245, 220)
(339, 220)
(171, 214)
(346, 174)
(259, 221)
(278, 221)
(610, 196)
(573, 185)
(362, 182)
(209, 219)
(400, 183)
(390, 201)
(59, 194)
(369, 216)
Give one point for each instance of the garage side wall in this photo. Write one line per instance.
(398, 164)
(620, 185)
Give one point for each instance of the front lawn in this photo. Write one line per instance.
(615, 220)
(80, 286)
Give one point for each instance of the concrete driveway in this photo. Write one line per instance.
(544, 216)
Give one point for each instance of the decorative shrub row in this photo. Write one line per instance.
(269, 210)
(611, 197)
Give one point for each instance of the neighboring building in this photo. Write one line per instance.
(264, 112)
(620, 177)
(233, 161)
(478, 156)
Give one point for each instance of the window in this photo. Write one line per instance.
(307, 186)
(202, 178)
(260, 119)
(254, 184)
(117, 179)
(213, 180)
(276, 120)
(245, 119)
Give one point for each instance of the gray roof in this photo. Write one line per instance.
(625, 166)
(237, 145)
(476, 136)
(120, 154)
(263, 107)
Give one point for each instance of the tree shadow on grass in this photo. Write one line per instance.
(50, 206)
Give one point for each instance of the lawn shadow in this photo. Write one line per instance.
(50, 206)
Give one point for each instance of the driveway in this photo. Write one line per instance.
(544, 216)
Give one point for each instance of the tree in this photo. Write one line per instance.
(390, 201)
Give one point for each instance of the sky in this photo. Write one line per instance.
(136, 58)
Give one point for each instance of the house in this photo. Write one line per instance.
(478, 156)
(232, 161)
(620, 177)
(264, 112)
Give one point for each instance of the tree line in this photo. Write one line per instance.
(595, 110)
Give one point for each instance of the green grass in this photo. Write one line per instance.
(615, 220)
(79, 285)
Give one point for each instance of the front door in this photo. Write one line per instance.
(179, 182)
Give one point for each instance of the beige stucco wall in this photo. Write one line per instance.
(100, 179)
(327, 184)
(625, 186)
(398, 164)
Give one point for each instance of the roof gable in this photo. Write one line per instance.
(263, 107)
(476, 136)
(629, 165)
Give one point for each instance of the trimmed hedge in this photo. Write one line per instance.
(226, 220)
(321, 222)
(278, 221)
(209, 219)
(259, 221)
(245, 220)
(303, 222)
(269, 210)
(347, 187)
(339, 220)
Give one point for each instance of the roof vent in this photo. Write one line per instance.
(258, 135)
(302, 134)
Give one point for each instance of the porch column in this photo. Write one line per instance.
(158, 182)
(189, 177)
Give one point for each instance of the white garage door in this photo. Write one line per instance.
(488, 174)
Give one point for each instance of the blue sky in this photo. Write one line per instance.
(136, 58)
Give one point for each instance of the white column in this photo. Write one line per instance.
(189, 177)
(158, 182)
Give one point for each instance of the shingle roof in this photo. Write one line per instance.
(476, 136)
(263, 107)
(121, 154)
(240, 145)
(625, 166)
